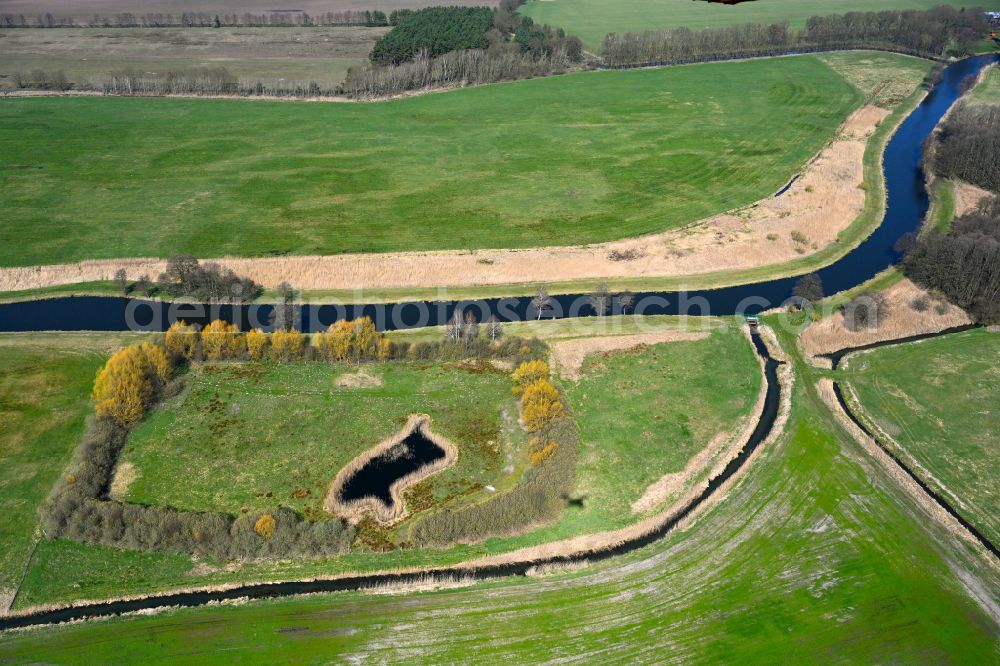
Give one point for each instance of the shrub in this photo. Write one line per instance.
(181, 340)
(527, 373)
(264, 527)
(540, 405)
(539, 450)
(129, 382)
(222, 341)
(257, 344)
(287, 345)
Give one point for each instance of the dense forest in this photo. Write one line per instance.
(968, 146)
(930, 33)
(964, 264)
(436, 30)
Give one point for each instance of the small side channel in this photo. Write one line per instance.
(761, 432)
(934, 495)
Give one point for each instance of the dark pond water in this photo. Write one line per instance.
(906, 207)
(377, 476)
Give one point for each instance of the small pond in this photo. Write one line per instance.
(376, 478)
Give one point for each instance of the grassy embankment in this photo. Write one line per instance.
(630, 436)
(593, 19)
(935, 402)
(815, 556)
(272, 55)
(600, 156)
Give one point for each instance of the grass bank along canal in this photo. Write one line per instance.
(906, 207)
(763, 429)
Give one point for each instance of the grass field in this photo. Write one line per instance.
(646, 413)
(45, 384)
(593, 19)
(653, 435)
(258, 436)
(599, 156)
(285, 56)
(816, 556)
(85, 9)
(988, 92)
(44, 397)
(937, 401)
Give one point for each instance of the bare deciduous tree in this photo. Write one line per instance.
(541, 301)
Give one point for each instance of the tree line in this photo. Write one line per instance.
(507, 47)
(931, 33)
(287, 18)
(964, 263)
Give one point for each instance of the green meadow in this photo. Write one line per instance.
(815, 556)
(937, 402)
(574, 159)
(593, 19)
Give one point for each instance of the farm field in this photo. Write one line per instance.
(671, 431)
(601, 156)
(270, 55)
(592, 20)
(814, 556)
(85, 9)
(937, 402)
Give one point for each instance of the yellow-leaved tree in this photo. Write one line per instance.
(287, 345)
(540, 405)
(222, 341)
(356, 340)
(527, 373)
(257, 344)
(335, 344)
(129, 382)
(181, 340)
(264, 527)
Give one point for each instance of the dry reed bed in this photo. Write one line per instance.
(822, 203)
(590, 543)
(353, 511)
(968, 197)
(899, 320)
(570, 354)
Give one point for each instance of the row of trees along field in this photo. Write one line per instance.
(280, 18)
(930, 33)
(964, 263)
